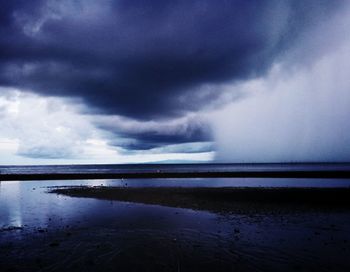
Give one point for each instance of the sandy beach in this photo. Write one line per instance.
(83, 226)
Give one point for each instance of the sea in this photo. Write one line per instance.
(188, 167)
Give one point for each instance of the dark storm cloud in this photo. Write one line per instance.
(150, 140)
(137, 58)
(134, 135)
(147, 59)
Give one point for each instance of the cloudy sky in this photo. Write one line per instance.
(119, 81)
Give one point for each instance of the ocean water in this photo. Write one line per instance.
(144, 168)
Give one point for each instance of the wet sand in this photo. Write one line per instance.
(228, 199)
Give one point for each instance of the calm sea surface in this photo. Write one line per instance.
(142, 168)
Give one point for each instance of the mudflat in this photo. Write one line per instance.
(225, 199)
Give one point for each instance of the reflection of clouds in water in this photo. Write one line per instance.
(225, 182)
(10, 205)
(35, 208)
(27, 203)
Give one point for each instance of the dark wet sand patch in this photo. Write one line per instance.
(227, 199)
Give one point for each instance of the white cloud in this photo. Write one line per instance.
(47, 130)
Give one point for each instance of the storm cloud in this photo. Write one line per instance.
(148, 62)
(143, 59)
(135, 135)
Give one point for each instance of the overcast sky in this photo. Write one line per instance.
(118, 81)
